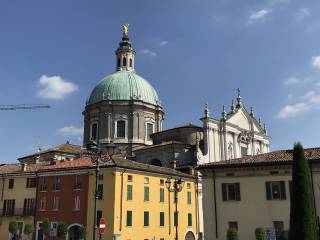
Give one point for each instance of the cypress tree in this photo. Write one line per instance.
(302, 215)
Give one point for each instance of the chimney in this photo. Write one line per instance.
(174, 164)
(23, 167)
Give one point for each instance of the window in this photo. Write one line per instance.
(276, 190)
(175, 219)
(130, 62)
(121, 129)
(55, 205)
(189, 219)
(230, 151)
(278, 227)
(100, 177)
(77, 203)
(124, 61)
(189, 197)
(8, 207)
(99, 216)
(94, 131)
(146, 194)
(231, 191)
(44, 184)
(156, 162)
(244, 151)
(11, 183)
(146, 180)
(43, 203)
(161, 219)
(31, 182)
(100, 191)
(129, 218)
(53, 229)
(161, 182)
(233, 225)
(129, 178)
(161, 195)
(188, 186)
(57, 183)
(146, 219)
(28, 207)
(149, 131)
(77, 182)
(118, 62)
(129, 192)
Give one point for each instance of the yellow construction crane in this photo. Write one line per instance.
(22, 106)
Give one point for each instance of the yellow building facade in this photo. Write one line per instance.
(136, 203)
(17, 200)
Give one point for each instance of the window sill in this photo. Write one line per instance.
(56, 190)
(77, 189)
(76, 210)
(55, 210)
(42, 210)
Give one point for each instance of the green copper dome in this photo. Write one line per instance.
(124, 85)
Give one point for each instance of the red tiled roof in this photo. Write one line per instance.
(282, 157)
(84, 162)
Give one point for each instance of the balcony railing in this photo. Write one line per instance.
(17, 212)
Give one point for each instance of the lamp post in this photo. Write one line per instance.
(95, 155)
(175, 186)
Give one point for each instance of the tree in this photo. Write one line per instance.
(302, 215)
(62, 230)
(28, 229)
(82, 232)
(260, 234)
(232, 234)
(45, 227)
(13, 228)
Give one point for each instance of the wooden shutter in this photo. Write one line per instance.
(129, 192)
(237, 188)
(283, 190)
(268, 190)
(224, 192)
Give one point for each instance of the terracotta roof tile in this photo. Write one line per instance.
(83, 162)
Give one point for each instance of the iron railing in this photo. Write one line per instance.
(17, 212)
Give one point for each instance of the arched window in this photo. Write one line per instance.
(130, 62)
(149, 131)
(230, 151)
(94, 131)
(118, 62)
(124, 61)
(121, 129)
(156, 162)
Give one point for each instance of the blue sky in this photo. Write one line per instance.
(192, 52)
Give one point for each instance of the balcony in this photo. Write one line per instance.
(17, 212)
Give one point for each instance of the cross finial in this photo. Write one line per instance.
(239, 103)
(206, 110)
(224, 113)
(251, 112)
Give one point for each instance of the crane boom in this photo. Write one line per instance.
(22, 106)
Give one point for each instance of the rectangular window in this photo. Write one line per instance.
(94, 131)
(55, 205)
(77, 203)
(231, 192)
(44, 184)
(161, 219)
(130, 178)
(100, 177)
(276, 190)
(233, 224)
(43, 203)
(175, 219)
(129, 192)
(146, 194)
(11, 183)
(28, 207)
(53, 230)
(149, 131)
(99, 215)
(57, 183)
(129, 218)
(121, 129)
(77, 182)
(146, 219)
(146, 180)
(31, 182)
(244, 151)
(100, 191)
(188, 186)
(161, 182)
(278, 227)
(161, 195)
(189, 219)
(8, 207)
(189, 197)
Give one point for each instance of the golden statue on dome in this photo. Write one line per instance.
(125, 30)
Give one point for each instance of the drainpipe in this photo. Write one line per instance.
(121, 199)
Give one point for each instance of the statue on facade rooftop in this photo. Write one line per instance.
(125, 30)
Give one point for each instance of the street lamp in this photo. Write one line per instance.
(175, 186)
(95, 155)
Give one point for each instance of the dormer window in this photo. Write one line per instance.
(124, 61)
(121, 129)
(94, 131)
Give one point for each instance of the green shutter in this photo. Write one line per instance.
(189, 219)
(283, 190)
(224, 192)
(268, 190)
(129, 218)
(146, 219)
(161, 219)
(189, 197)
(146, 194)
(129, 192)
(175, 220)
(161, 194)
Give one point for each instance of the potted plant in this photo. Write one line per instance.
(260, 234)
(46, 227)
(28, 229)
(13, 228)
(232, 234)
(82, 232)
(62, 230)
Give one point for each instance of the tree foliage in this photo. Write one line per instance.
(302, 215)
(260, 234)
(82, 232)
(46, 226)
(62, 230)
(28, 229)
(13, 227)
(232, 234)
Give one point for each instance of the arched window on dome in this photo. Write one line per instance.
(124, 61)
(94, 131)
(121, 129)
(118, 62)
(130, 62)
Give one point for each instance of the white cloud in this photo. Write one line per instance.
(291, 81)
(163, 43)
(71, 131)
(316, 62)
(292, 110)
(55, 87)
(303, 13)
(260, 15)
(148, 53)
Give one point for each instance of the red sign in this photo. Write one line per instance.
(102, 226)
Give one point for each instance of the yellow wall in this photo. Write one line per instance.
(19, 193)
(111, 207)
